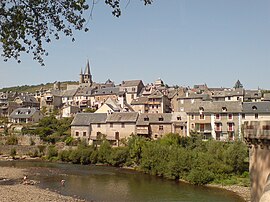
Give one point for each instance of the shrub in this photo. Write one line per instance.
(52, 152)
(12, 140)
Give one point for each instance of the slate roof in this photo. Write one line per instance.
(23, 113)
(252, 94)
(84, 91)
(156, 94)
(85, 119)
(139, 101)
(107, 91)
(182, 115)
(122, 117)
(27, 98)
(216, 107)
(130, 83)
(69, 93)
(256, 107)
(153, 118)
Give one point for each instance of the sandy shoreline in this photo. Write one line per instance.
(25, 193)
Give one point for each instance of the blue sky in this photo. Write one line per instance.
(183, 42)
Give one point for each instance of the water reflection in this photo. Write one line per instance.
(113, 184)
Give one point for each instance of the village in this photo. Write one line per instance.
(131, 107)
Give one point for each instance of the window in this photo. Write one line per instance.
(111, 125)
(256, 116)
(192, 116)
(146, 118)
(179, 118)
(230, 116)
(84, 134)
(116, 135)
(160, 119)
(132, 96)
(266, 127)
(123, 125)
(98, 125)
(202, 116)
(218, 116)
(133, 89)
(243, 116)
(224, 109)
(160, 128)
(77, 133)
(192, 125)
(229, 98)
(230, 126)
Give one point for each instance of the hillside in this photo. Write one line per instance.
(34, 88)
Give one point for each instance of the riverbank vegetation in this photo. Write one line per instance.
(181, 158)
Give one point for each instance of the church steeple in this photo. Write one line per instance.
(86, 77)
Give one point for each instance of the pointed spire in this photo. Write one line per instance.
(87, 69)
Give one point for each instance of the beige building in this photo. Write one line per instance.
(154, 126)
(217, 120)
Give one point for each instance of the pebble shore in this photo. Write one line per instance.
(25, 193)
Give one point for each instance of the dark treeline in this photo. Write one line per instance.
(190, 159)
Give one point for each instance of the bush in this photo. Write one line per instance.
(12, 140)
(52, 152)
(200, 177)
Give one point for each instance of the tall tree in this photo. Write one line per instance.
(26, 24)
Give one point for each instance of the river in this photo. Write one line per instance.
(101, 183)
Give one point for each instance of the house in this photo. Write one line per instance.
(253, 96)
(83, 97)
(26, 100)
(256, 111)
(179, 123)
(132, 89)
(154, 103)
(220, 120)
(68, 96)
(88, 126)
(102, 94)
(111, 106)
(154, 126)
(121, 125)
(51, 99)
(25, 115)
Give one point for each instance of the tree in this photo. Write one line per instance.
(26, 24)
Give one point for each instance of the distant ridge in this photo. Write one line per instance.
(34, 88)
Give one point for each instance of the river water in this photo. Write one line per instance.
(109, 184)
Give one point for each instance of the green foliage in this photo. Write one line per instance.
(52, 152)
(118, 156)
(51, 129)
(104, 152)
(12, 140)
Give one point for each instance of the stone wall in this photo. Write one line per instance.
(20, 149)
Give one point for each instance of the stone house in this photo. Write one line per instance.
(121, 125)
(68, 96)
(154, 126)
(51, 99)
(25, 115)
(87, 126)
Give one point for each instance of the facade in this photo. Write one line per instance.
(154, 126)
(25, 100)
(217, 120)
